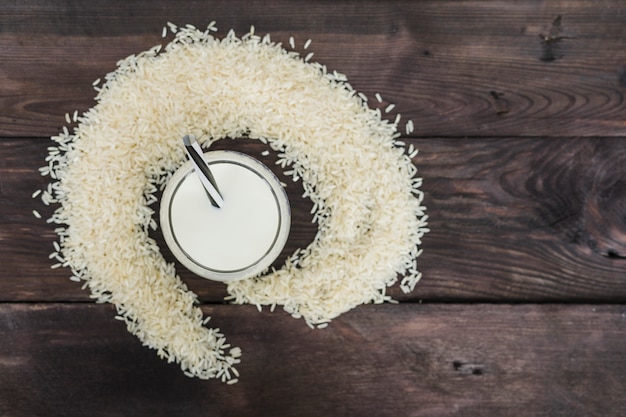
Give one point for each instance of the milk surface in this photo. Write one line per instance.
(235, 236)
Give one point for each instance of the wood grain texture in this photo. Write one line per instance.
(408, 360)
(511, 220)
(489, 68)
(27, 241)
(519, 112)
(528, 219)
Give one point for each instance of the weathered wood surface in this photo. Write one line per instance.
(520, 120)
(511, 220)
(407, 360)
(497, 68)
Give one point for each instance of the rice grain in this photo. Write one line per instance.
(367, 204)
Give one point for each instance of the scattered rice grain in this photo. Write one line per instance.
(409, 127)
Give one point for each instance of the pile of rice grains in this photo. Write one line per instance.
(360, 178)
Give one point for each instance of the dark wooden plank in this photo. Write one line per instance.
(26, 241)
(511, 220)
(496, 68)
(525, 219)
(407, 360)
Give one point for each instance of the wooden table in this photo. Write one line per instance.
(520, 115)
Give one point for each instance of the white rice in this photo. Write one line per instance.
(409, 127)
(367, 202)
